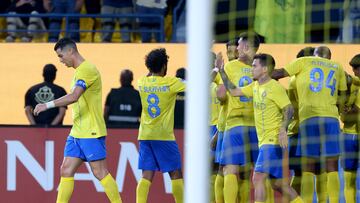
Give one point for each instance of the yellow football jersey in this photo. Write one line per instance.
(352, 99)
(87, 111)
(318, 81)
(214, 105)
(158, 95)
(269, 100)
(240, 111)
(294, 124)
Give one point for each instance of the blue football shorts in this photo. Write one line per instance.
(159, 155)
(240, 146)
(350, 152)
(270, 160)
(87, 149)
(319, 136)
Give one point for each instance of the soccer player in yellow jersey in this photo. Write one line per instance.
(232, 54)
(294, 159)
(158, 150)
(214, 115)
(86, 141)
(350, 118)
(318, 81)
(272, 111)
(239, 148)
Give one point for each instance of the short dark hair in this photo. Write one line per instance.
(181, 73)
(126, 77)
(252, 39)
(65, 42)
(49, 72)
(156, 60)
(307, 51)
(266, 60)
(323, 52)
(233, 42)
(355, 61)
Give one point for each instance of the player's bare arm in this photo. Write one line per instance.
(279, 73)
(62, 101)
(287, 112)
(233, 90)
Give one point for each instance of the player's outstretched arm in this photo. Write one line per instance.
(279, 73)
(287, 112)
(62, 101)
(233, 90)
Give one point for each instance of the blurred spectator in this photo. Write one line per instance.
(31, 24)
(179, 112)
(123, 105)
(93, 7)
(4, 5)
(180, 14)
(351, 24)
(108, 24)
(150, 7)
(42, 93)
(63, 7)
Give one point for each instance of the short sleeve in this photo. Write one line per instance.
(280, 97)
(294, 67)
(248, 90)
(178, 85)
(85, 78)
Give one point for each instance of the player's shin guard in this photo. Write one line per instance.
(230, 188)
(111, 189)
(321, 187)
(269, 192)
(142, 190)
(219, 189)
(66, 187)
(178, 190)
(333, 186)
(350, 187)
(307, 187)
(244, 190)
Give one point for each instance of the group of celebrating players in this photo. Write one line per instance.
(256, 124)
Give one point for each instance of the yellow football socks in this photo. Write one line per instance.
(212, 188)
(66, 187)
(244, 190)
(321, 187)
(178, 190)
(111, 189)
(307, 187)
(142, 190)
(230, 188)
(219, 189)
(350, 186)
(333, 186)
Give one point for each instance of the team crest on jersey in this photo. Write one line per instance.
(285, 4)
(264, 94)
(44, 95)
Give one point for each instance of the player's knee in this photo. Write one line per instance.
(277, 185)
(175, 174)
(100, 173)
(258, 179)
(66, 171)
